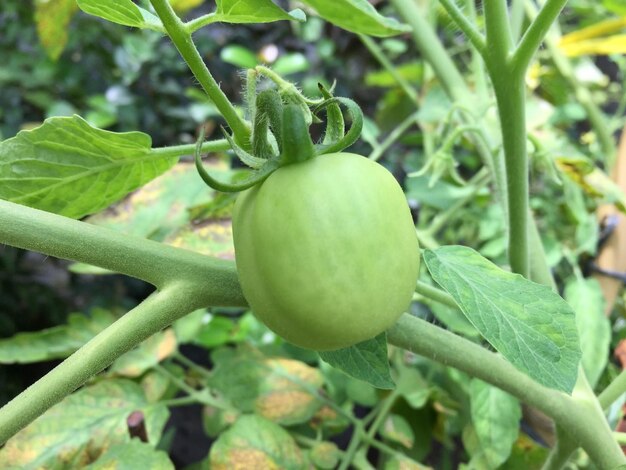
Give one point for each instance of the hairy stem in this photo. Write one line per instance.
(220, 145)
(153, 262)
(181, 38)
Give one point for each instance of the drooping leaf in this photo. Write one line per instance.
(495, 420)
(365, 361)
(52, 18)
(57, 342)
(255, 442)
(357, 16)
(594, 328)
(83, 426)
(131, 456)
(529, 324)
(123, 12)
(70, 168)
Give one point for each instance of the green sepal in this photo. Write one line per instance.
(268, 115)
(334, 119)
(245, 157)
(256, 177)
(297, 144)
(356, 116)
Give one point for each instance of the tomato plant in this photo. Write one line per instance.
(326, 250)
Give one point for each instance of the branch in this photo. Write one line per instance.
(153, 262)
(474, 36)
(615, 389)
(534, 35)
(181, 38)
(578, 415)
(149, 317)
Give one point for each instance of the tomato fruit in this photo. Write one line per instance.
(326, 250)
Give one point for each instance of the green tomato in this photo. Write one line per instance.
(326, 251)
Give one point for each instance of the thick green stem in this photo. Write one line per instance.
(499, 39)
(153, 262)
(149, 317)
(510, 94)
(535, 34)
(561, 452)
(181, 38)
(578, 414)
(611, 393)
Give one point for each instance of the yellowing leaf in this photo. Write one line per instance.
(52, 18)
(611, 45)
(183, 6)
(597, 39)
(601, 28)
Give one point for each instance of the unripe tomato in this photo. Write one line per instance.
(326, 251)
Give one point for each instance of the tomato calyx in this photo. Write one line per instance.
(280, 134)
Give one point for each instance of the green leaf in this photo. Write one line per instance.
(594, 328)
(527, 323)
(131, 456)
(357, 16)
(83, 426)
(253, 11)
(239, 56)
(495, 418)
(54, 343)
(52, 18)
(254, 442)
(123, 12)
(365, 361)
(70, 168)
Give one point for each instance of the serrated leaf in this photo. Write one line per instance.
(131, 456)
(54, 343)
(70, 168)
(365, 361)
(52, 18)
(594, 328)
(83, 426)
(529, 324)
(253, 11)
(148, 354)
(255, 442)
(495, 419)
(357, 16)
(123, 12)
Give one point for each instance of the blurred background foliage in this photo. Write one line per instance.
(58, 61)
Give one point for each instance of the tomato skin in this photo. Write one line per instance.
(326, 251)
